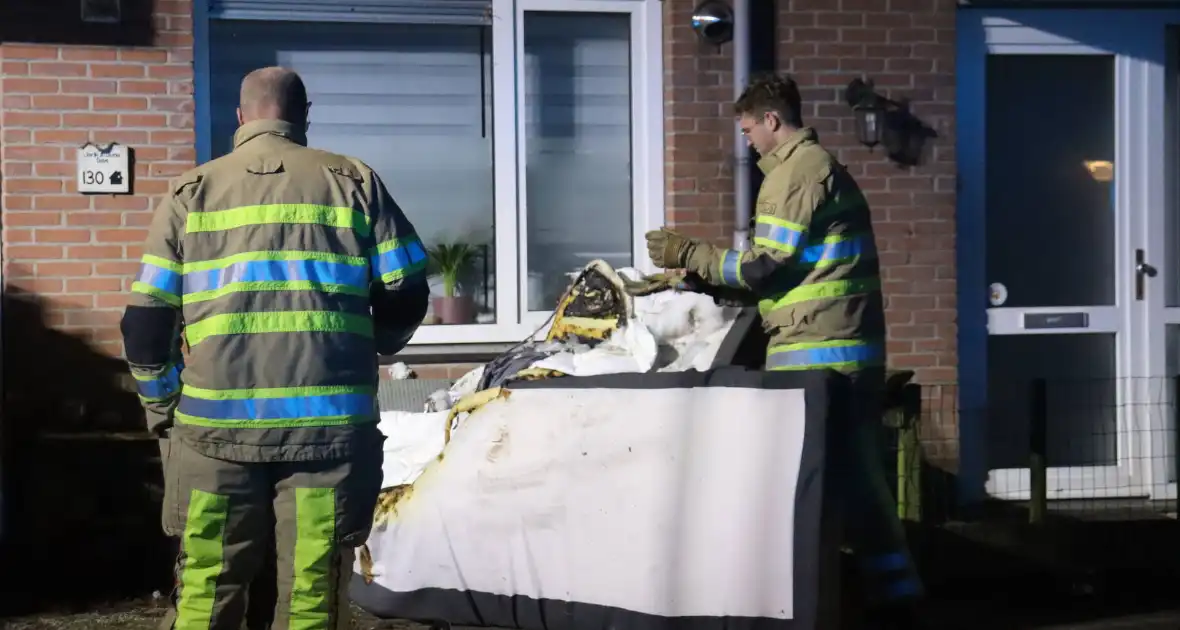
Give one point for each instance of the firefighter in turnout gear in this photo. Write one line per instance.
(291, 270)
(813, 272)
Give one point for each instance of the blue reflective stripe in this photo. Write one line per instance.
(162, 386)
(276, 271)
(778, 233)
(886, 562)
(279, 408)
(867, 353)
(407, 255)
(731, 268)
(159, 277)
(860, 246)
(907, 587)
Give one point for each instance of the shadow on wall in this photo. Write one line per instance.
(908, 141)
(82, 480)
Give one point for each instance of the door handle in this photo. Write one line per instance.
(1142, 270)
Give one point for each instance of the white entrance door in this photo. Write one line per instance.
(1057, 177)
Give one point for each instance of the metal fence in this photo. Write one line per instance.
(1076, 447)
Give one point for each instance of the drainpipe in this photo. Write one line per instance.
(741, 151)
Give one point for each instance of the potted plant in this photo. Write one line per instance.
(450, 261)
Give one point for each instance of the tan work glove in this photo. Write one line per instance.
(667, 249)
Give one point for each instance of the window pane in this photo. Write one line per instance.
(1050, 204)
(411, 101)
(578, 147)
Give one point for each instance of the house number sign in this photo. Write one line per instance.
(104, 169)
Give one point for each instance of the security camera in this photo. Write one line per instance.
(713, 21)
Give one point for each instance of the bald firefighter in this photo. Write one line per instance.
(291, 270)
(813, 271)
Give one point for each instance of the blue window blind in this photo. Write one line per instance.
(403, 11)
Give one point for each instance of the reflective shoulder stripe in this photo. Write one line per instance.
(398, 258)
(278, 322)
(291, 213)
(775, 233)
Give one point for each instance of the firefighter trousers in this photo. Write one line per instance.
(226, 514)
(260, 596)
(868, 509)
(863, 503)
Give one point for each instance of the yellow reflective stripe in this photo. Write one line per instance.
(278, 213)
(278, 322)
(313, 593)
(773, 220)
(203, 541)
(821, 291)
(276, 392)
(840, 354)
(274, 285)
(150, 291)
(280, 423)
(221, 263)
(161, 262)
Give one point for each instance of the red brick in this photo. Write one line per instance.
(63, 236)
(120, 102)
(89, 121)
(95, 252)
(19, 51)
(120, 236)
(23, 185)
(39, 219)
(89, 54)
(60, 102)
(30, 85)
(64, 269)
(88, 86)
(93, 285)
(117, 70)
(57, 69)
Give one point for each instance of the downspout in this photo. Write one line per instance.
(741, 151)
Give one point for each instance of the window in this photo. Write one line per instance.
(532, 133)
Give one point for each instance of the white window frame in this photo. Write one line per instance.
(513, 321)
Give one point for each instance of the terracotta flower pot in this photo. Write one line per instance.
(459, 309)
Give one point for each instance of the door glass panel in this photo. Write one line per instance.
(1050, 212)
(1081, 382)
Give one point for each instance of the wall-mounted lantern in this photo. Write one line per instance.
(889, 123)
(870, 109)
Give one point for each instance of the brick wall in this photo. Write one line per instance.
(77, 253)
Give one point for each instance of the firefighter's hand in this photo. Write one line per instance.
(667, 249)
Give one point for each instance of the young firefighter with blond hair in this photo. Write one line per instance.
(813, 271)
